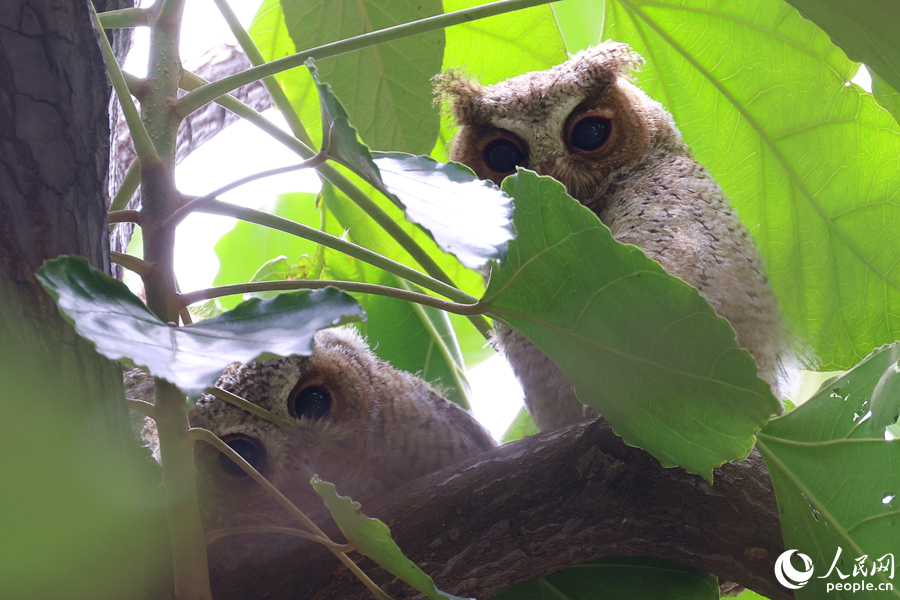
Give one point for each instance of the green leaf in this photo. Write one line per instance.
(835, 475)
(619, 577)
(372, 538)
(107, 314)
(498, 48)
(886, 96)
(386, 89)
(339, 137)
(467, 217)
(446, 199)
(809, 162)
(640, 346)
(865, 29)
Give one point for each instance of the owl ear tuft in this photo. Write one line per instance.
(456, 89)
(608, 61)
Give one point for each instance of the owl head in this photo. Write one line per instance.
(341, 414)
(581, 122)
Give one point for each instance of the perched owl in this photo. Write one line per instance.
(359, 423)
(620, 154)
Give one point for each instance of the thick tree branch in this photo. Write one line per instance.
(533, 507)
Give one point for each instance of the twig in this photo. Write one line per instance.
(314, 284)
(218, 534)
(209, 437)
(197, 203)
(132, 263)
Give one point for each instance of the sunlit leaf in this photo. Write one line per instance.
(467, 217)
(811, 163)
(386, 88)
(865, 29)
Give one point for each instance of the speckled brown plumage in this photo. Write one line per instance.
(383, 427)
(642, 182)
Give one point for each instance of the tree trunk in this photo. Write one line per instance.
(81, 512)
(533, 507)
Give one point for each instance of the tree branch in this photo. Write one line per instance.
(533, 507)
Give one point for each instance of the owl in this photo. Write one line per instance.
(620, 154)
(357, 422)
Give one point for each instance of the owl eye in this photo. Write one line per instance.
(313, 402)
(502, 155)
(249, 449)
(590, 133)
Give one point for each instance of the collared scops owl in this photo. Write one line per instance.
(348, 417)
(620, 154)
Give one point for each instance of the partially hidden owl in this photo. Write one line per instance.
(359, 423)
(620, 154)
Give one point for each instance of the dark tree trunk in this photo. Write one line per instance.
(80, 515)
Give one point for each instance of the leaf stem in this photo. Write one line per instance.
(124, 216)
(128, 187)
(177, 460)
(132, 263)
(125, 17)
(279, 98)
(198, 98)
(141, 406)
(218, 534)
(179, 215)
(217, 207)
(143, 145)
(191, 81)
(315, 284)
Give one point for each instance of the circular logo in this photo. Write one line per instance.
(790, 577)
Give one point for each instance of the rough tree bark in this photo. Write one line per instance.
(66, 432)
(536, 506)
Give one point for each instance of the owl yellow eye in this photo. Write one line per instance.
(589, 133)
(313, 402)
(502, 155)
(247, 448)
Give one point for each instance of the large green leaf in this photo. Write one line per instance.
(386, 88)
(372, 538)
(107, 314)
(640, 346)
(809, 161)
(642, 578)
(865, 29)
(836, 477)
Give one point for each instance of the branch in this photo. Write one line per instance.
(533, 507)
